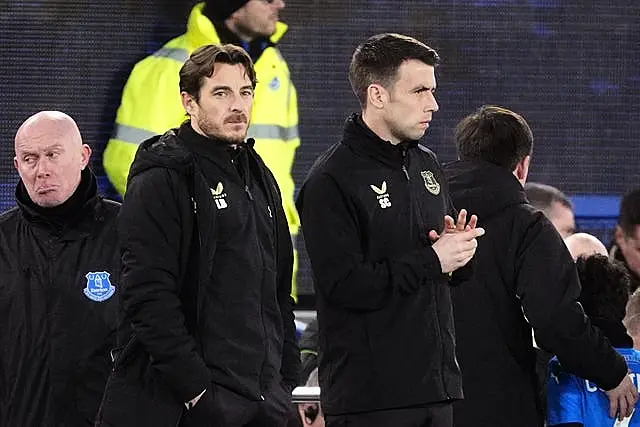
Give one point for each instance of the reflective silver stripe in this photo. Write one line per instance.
(130, 134)
(273, 132)
(179, 54)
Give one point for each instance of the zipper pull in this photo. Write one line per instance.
(246, 189)
(406, 173)
(403, 152)
(269, 210)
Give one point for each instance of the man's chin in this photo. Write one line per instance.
(233, 139)
(46, 202)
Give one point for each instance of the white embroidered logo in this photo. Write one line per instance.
(382, 195)
(430, 182)
(219, 196)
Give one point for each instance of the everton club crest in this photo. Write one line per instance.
(99, 288)
(430, 182)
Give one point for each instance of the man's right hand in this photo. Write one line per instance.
(454, 250)
(622, 399)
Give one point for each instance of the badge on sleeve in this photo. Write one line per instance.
(99, 288)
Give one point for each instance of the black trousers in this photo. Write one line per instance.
(224, 408)
(439, 415)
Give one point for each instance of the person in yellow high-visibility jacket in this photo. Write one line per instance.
(151, 101)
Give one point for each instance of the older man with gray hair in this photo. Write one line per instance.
(58, 276)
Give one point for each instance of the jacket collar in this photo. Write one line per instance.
(201, 31)
(482, 187)
(215, 150)
(358, 136)
(80, 205)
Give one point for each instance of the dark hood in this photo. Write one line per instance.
(161, 151)
(178, 149)
(483, 188)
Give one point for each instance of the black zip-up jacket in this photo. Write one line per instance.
(384, 310)
(59, 290)
(524, 278)
(239, 332)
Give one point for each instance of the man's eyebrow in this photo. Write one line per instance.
(423, 87)
(217, 88)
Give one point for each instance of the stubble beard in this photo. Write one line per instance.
(216, 132)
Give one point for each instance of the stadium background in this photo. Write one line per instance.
(571, 67)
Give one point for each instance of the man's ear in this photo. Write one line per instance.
(522, 169)
(188, 102)
(377, 96)
(85, 155)
(618, 235)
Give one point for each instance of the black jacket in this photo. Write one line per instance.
(384, 310)
(59, 290)
(232, 258)
(524, 278)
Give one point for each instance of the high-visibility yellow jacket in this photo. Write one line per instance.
(151, 104)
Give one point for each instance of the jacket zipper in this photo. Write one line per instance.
(435, 294)
(246, 179)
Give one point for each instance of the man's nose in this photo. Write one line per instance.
(44, 168)
(434, 104)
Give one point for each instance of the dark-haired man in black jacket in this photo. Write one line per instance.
(524, 279)
(207, 262)
(370, 209)
(59, 281)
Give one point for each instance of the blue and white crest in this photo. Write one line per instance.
(274, 84)
(99, 288)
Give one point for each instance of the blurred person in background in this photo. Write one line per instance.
(554, 204)
(584, 245)
(626, 244)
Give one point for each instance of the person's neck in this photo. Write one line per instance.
(237, 31)
(376, 124)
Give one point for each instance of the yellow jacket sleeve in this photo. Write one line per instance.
(150, 105)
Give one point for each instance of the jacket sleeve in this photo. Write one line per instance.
(290, 352)
(150, 105)
(548, 288)
(151, 229)
(334, 242)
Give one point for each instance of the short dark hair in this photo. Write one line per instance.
(378, 59)
(629, 217)
(605, 287)
(543, 196)
(201, 64)
(495, 135)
